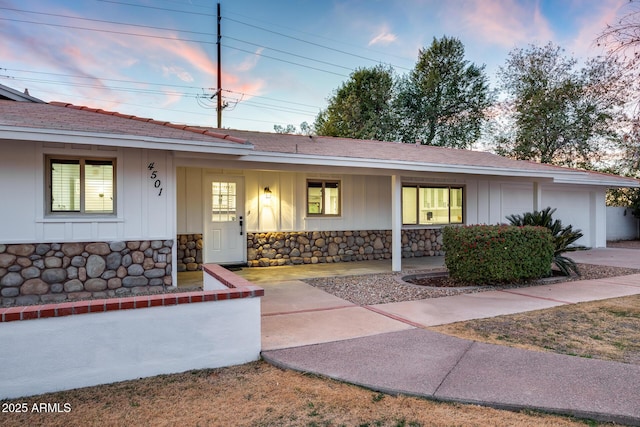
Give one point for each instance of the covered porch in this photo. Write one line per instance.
(309, 271)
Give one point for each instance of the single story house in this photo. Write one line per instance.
(96, 204)
(75, 175)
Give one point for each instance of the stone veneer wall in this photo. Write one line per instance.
(189, 252)
(54, 272)
(312, 247)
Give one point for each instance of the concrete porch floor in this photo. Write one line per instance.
(262, 275)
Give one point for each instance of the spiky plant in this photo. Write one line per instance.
(563, 237)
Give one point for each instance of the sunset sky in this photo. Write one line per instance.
(281, 60)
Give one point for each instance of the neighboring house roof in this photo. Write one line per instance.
(59, 122)
(10, 94)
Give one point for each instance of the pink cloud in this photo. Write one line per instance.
(384, 37)
(250, 62)
(179, 72)
(506, 22)
(605, 12)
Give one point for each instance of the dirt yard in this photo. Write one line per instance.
(256, 394)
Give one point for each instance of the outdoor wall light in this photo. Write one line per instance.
(267, 192)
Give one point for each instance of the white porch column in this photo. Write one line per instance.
(537, 196)
(396, 223)
(597, 219)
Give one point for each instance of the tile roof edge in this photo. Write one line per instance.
(186, 128)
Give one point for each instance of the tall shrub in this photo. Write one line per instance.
(487, 254)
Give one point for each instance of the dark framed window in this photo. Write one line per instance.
(323, 198)
(80, 185)
(427, 205)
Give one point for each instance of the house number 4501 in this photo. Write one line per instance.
(157, 184)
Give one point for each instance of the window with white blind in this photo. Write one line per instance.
(423, 205)
(80, 185)
(323, 198)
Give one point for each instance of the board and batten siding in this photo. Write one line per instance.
(143, 213)
(364, 201)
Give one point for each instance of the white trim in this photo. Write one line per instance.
(396, 223)
(127, 141)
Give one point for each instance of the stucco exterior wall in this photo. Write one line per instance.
(582, 207)
(621, 225)
(105, 347)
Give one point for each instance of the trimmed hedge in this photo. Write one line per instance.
(490, 254)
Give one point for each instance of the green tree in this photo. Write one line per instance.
(305, 129)
(558, 113)
(284, 129)
(444, 100)
(362, 107)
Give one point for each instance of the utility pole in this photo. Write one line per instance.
(219, 93)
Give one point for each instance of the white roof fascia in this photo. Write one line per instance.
(355, 162)
(127, 141)
(624, 182)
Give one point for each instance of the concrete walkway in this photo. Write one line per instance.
(386, 348)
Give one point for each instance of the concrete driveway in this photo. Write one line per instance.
(615, 257)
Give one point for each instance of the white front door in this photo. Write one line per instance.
(225, 242)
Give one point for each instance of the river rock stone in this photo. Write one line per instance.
(6, 260)
(98, 249)
(34, 287)
(95, 285)
(52, 262)
(30, 272)
(21, 250)
(113, 260)
(133, 281)
(135, 270)
(154, 273)
(54, 275)
(72, 249)
(73, 285)
(95, 266)
(117, 246)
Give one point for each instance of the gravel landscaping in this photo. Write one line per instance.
(389, 287)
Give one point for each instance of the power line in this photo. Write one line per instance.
(198, 96)
(289, 53)
(75, 76)
(272, 99)
(105, 22)
(126, 33)
(242, 94)
(190, 32)
(283, 60)
(256, 27)
(191, 113)
(311, 43)
(174, 39)
(159, 8)
(319, 36)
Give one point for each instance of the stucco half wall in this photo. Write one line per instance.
(98, 348)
